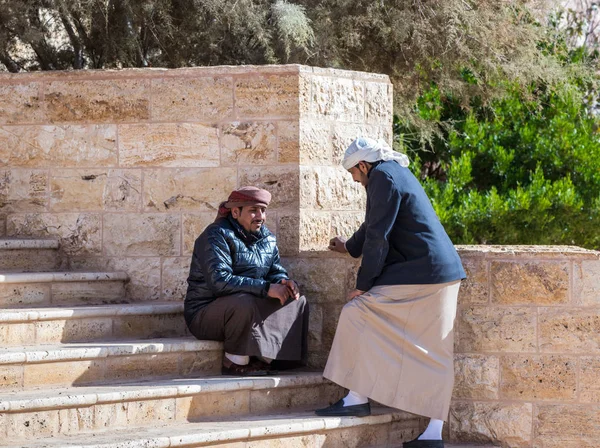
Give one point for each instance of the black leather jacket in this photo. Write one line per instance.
(229, 260)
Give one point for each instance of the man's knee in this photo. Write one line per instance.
(242, 307)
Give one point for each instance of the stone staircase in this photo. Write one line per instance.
(81, 367)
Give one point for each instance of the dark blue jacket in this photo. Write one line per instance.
(229, 260)
(402, 240)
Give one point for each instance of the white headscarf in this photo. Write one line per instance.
(365, 149)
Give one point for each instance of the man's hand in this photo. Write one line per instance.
(337, 244)
(293, 287)
(354, 293)
(279, 292)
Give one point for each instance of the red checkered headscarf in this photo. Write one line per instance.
(243, 197)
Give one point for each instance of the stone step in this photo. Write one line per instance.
(384, 428)
(25, 255)
(29, 289)
(91, 323)
(106, 362)
(33, 414)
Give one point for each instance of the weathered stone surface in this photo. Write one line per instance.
(315, 143)
(288, 137)
(175, 272)
(346, 133)
(201, 363)
(169, 145)
(321, 280)
(194, 224)
(334, 189)
(72, 421)
(123, 190)
(475, 289)
(193, 189)
(98, 100)
(17, 334)
(79, 233)
(346, 223)
(160, 236)
(534, 377)
(281, 181)
(379, 103)
(567, 421)
(149, 326)
(20, 103)
(586, 283)
(338, 99)
(589, 379)
(315, 327)
(476, 376)
(514, 283)
(217, 404)
(20, 426)
(189, 99)
(81, 190)
(56, 331)
(266, 96)
(304, 93)
(87, 293)
(144, 274)
(569, 330)
(58, 146)
(287, 399)
(63, 373)
(491, 422)
(288, 233)
(486, 329)
(29, 295)
(123, 368)
(253, 143)
(315, 230)
(139, 413)
(11, 377)
(23, 191)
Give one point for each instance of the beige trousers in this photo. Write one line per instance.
(395, 344)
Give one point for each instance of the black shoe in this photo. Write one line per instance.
(231, 368)
(339, 410)
(423, 443)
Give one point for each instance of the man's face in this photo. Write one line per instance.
(359, 173)
(250, 217)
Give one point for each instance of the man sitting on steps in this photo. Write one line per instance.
(239, 293)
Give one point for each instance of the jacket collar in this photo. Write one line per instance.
(248, 237)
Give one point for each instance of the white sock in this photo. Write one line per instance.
(433, 431)
(240, 360)
(354, 398)
(265, 359)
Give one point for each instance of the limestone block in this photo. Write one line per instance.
(486, 329)
(192, 99)
(58, 146)
(346, 133)
(144, 274)
(475, 289)
(321, 280)
(575, 442)
(285, 399)
(218, 404)
(331, 315)
(308, 187)
(149, 326)
(79, 233)
(407, 429)
(140, 412)
(21, 426)
(304, 94)
(28, 295)
(315, 326)
(567, 421)
(288, 234)
(23, 191)
(346, 223)
(20, 103)
(76, 330)
(175, 272)
(589, 379)
(529, 283)
(80, 190)
(113, 100)
(110, 415)
(74, 420)
(124, 368)
(17, 334)
(201, 363)
(338, 99)
(315, 230)
(533, 377)
(194, 189)
(335, 190)
(248, 143)
(11, 377)
(288, 142)
(357, 437)
(169, 145)
(267, 96)
(569, 330)
(476, 376)
(379, 103)
(87, 293)
(148, 234)
(316, 146)
(281, 181)
(123, 190)
(63, 373)
(508, 424)
(193, 225)
(2, 226)
(586, 283)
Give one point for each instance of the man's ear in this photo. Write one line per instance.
(235, 212)
(364, 167)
